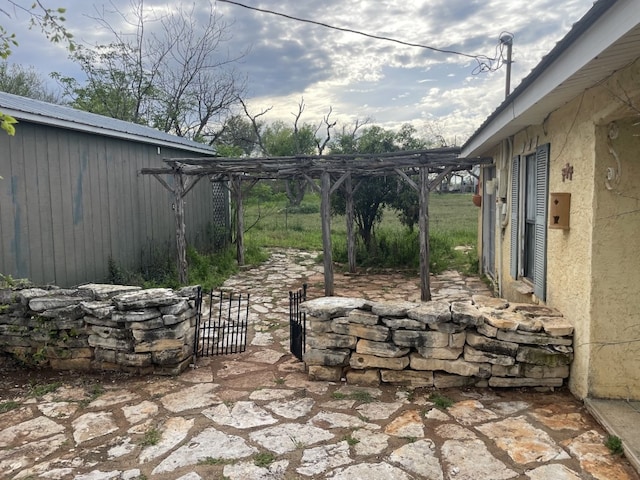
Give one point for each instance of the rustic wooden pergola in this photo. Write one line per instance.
(333, 172)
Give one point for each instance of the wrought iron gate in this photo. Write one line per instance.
(222, 328)
(297, 322)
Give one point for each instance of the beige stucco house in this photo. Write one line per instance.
(572, 127)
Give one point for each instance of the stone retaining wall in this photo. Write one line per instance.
(482, 342)
(100, 327)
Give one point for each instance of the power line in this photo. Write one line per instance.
(484, 63)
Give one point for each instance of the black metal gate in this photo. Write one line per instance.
(222, 328)
(297, 322)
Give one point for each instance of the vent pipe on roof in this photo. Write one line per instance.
(507, 39)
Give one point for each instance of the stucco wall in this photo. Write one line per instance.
(615, 306)
(592, 269)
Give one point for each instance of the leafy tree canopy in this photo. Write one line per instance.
(374, 193)
(51, 23)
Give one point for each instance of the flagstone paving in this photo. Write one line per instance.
(256, 415)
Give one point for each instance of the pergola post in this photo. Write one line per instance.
(351, 240)
(181, 237)
(325, 213)
(181, 186)
(236, 189)
(423, 222)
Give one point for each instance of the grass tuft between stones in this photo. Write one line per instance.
(38, 391)
(614, 444)
(8, 406)
(263, 459)
(151, 437)
(216, 461)
(441, 401)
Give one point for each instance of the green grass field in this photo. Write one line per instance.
(269, 223)
(453, 222)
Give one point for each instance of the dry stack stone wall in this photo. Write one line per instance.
(100, 327)
(482, 342)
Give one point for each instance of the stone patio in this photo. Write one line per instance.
(256, 415)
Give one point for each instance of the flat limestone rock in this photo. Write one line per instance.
(103, 291)
(380, 349)
(471, 460)
(431, 312)
(419, 458)
(522, 441)
(466, 314)
(392, 309)
(328, 307)
(362, 361)
(318, 460)
(152, 297)
(490, 302)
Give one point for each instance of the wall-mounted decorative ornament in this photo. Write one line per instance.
(559, 210)
(567, 172)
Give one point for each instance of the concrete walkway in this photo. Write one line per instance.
(256, 416)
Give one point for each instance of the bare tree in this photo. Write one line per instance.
(328, 125)
(171, 67)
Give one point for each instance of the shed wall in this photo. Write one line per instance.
(69, 201)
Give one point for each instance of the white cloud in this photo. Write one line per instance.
(359, 77)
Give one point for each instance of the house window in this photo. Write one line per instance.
(529, 191)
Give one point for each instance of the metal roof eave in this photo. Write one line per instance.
(34, 111)
(556, 80)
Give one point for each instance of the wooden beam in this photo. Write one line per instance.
(408, 179)
(436, 181)
(339, 182)
(325, 213)
(313, 184)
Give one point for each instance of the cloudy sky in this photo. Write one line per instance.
(357, 76)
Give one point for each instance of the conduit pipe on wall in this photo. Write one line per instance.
(502, 205)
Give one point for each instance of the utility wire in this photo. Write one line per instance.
(484, 63)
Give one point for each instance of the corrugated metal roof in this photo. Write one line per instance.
(605, 40)
(29, 110)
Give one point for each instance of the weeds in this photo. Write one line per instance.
(151, 437)
(96, 390)
(38, 391)
(441, 401)
(263, 459)
(215, 461)
(614, 444)
(358, 395)
(8, 406)
(362, 396)
(351, 441)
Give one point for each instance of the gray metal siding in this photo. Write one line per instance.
(70, 200)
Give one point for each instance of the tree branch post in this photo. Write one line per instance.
(236, 188)
(325, 213)
(423, 222)
(181, 236)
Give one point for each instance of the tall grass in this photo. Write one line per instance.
(269, 222)
(453, 222)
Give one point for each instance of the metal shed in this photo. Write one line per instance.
(71, 197)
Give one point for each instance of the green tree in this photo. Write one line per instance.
(374, 193)
(114, 87)
(281, 140)
(51, 23)
(237, 134)
(24, 81)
